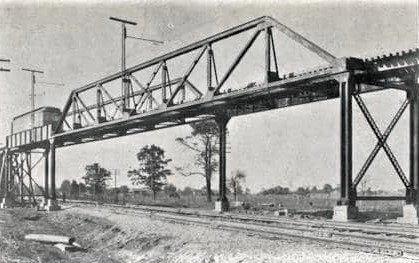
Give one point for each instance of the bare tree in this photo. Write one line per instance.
(204, 142)
(235, 183)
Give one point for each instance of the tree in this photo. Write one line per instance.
(95, 178)
(235, 181)
(74, 189)
(152, 172)
(82, 188)
(277, 190)
(124, 189)
(301, 190)
(204, 142)
(247, 191)
(171, 191)
(65, 187)
(327, 188)
(187, 190)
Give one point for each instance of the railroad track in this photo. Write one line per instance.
(397, 241)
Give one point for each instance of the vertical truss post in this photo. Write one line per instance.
(183, 93)
(268, 33)
(209, 67)
(222, 121)
(99, 104)
(127, 91)
(76, 114)
(413, 190)
(164, 82)
(123, 66)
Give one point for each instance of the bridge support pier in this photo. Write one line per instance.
(52, 204)
(346, 208)
(411, 208)
(46, 176)
(6, 201)
(222, 203)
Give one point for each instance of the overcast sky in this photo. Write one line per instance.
(75, 43)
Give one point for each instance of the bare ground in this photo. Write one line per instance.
(113, 237)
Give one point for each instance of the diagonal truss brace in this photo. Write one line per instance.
(382, 138)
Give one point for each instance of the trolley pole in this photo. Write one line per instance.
(124, 85)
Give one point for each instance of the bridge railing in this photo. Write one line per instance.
(30, 136)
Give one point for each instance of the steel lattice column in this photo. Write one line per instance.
(46, 172)
(222, 126)
(21, 176)
(413, 193)
(347, 193)
(52, 168)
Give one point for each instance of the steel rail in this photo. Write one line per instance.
(406, 231)
(380, 245)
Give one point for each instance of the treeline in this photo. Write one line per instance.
(279, 190)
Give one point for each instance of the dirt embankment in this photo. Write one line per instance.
(110, 236)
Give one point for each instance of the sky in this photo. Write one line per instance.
(75, 43)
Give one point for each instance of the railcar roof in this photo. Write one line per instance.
(40, 109)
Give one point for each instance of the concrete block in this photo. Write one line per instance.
(6, 203)
(345, 213)
(52, 205)
(237, 204)
(282, 211)
(410, 215)
(221, 206)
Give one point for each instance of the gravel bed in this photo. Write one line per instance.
(144, 239)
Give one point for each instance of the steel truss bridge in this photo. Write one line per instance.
(168, 99)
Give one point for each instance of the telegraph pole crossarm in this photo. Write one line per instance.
(4, 60)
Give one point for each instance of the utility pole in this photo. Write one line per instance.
(33, 71)
(125, 87)
(115, 173)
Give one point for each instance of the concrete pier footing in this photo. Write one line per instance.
(52, 205)
(345, 213)
(222, 206)
(6, 203)
(410, 215)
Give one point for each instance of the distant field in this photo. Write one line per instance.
(295, 203)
